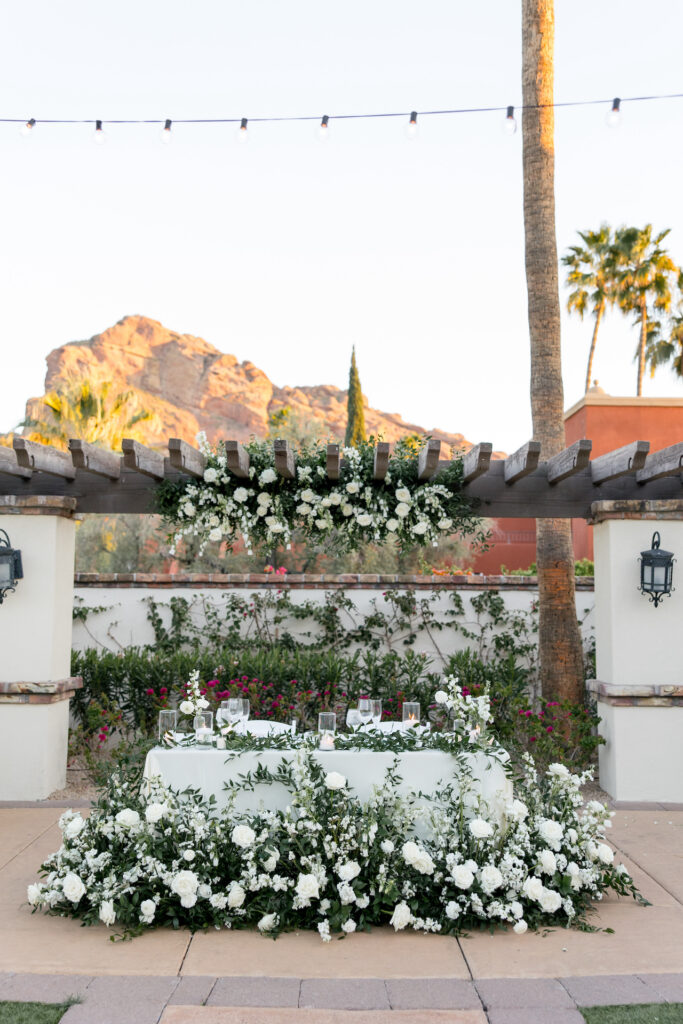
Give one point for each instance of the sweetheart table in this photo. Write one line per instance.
(422, 770)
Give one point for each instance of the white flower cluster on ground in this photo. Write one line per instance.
(331, 863)
(355, 509)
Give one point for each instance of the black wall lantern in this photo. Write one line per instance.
(656, 571)
(10, 566)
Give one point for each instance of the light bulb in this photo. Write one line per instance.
(100, 138)
(166, 132)
(509, 124)
(242, 133)
(411, 127)
(613, 116)
(27, 129)
(324, 129)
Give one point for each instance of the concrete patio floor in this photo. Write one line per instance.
(165, 976)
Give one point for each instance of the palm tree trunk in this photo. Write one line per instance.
(598, 317)
(641, 349)
(560, 651)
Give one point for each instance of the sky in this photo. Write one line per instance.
(288, 251)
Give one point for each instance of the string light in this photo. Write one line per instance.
(242, 133)
(166, 132)
(324, 130)
(100, 138)
(509, 124)
(27, 129)
(411, 127)
(613, 116)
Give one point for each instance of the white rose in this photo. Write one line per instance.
(188, 901)
(216, 534)
(558, 771)
(322, 524)
(352, 488)
(595, 807)
(605, 854)
(243, 836)
(516, 909)
(403, 494)
(33, 894)
(347, 510)
(335, 780)
(210, 475)
(402, 510)
(267, 923)
(572, 869)
(267, 476)
(155, 812)
(240, 494)
(307, 887)
(335, 498)
(349, 926)
(441, 697)
(420, 528)
(73, 827)
(452, 910)
(204, 891)
(128, 818)
(263, 498)
(186, 707)
(547, 861)
(73, 887)
(401, 916)
(364, 519)
(270, 863)
(189, 855)
(392, 525)
(418, 858)
(445, 523)
(462, 876)
(185, 883)
(572, 835)
(148, 909)
(533, 888)
(552, 832)
(107, 912)
(202, 703)
(520, 927)
(517, 810)
(480, 829)
(387, 846)
(308, 495)
(348, 871)
(490, 878)
(236, 896)
(188, 509)
(550, 901)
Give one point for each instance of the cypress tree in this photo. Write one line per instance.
(355, 419)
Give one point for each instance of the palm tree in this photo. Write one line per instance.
(591, 275)
(560, 653)
(91, 414)
(644, 279)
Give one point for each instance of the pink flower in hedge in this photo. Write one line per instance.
(532, 739)
(549, 728)
(150, 692)
(528, 714)
(163, 690)
(212, 682)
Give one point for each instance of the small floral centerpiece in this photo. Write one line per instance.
(471, 714)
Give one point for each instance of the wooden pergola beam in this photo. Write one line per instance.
(143, 460)
(185, 458)
(522, 462)
(43, 457)
(9, 464)
(572, 460)
(237, 459)
(665, 462)
(333, 461)
(285, 463)
(428, 460)
(476, 461)
(92, 459)
(621, 461)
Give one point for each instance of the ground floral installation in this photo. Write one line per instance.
(352, 511)
(150, 856)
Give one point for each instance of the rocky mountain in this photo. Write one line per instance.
(191, 386)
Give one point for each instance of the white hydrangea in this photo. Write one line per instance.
(452, 910)
(307, 887)
(387, 846)
(547, 861)
(267, 923)
(267, 476)
(490, 878)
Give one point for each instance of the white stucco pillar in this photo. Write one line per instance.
(35, 648)
(639, 654)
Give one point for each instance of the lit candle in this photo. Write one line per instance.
(327, 741)
(220, 742)
(203, 735)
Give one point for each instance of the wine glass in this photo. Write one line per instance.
(365, 710)
(376, 711)
(246, 709)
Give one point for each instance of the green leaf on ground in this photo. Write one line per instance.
(644, 1013)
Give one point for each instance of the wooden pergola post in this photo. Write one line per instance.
(35, 647)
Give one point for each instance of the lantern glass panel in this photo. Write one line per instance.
(6, 567)
(647, 576)
(659, 580)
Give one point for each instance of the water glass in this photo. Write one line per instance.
(327, 725)
(203, 728)
(376, 711)
(168, 724)
(246, 709)
(231, 710)
(365, 710)
(411, 714)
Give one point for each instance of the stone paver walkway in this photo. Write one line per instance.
(167, 977)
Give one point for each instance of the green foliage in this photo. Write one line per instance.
(582, 567)
(355, 416)
(33, 1013)
(642, 1013)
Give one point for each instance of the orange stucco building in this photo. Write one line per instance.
(609, 422)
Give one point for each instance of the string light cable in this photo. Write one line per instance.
(509, 123)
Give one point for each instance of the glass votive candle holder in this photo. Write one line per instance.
(327, 725)
(168, 724)
(203, 728)
(411, 714)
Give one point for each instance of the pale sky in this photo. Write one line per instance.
(287, 251)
